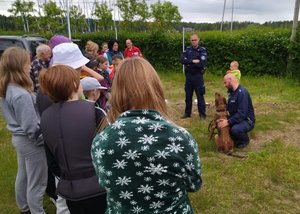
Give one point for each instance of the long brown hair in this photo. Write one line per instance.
(12, 70)
(59, 82)
(136, 86)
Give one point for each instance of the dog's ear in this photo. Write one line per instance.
(217, 95)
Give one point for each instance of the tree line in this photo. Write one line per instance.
(51, 18)
(135, 15)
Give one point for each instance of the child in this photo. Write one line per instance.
(116, 59)
(234, 69)
(147, 156)
(21, 116)
(92, 90)
(104, 49)
(104, 71)
(68, 127)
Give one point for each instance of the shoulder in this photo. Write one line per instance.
(202, 49)
(188, 50)
(16, 91)
(20, 96)
(242, 90)
(35, 61)
(85, 103)
(108, 54)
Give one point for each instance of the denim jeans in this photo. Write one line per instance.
(31, 180)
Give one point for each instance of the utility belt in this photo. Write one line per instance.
(190, 71)
(194, 73)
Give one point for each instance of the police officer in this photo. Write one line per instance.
(241, 112)
(194, 58)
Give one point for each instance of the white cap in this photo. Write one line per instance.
(68, 54)
(90, 83)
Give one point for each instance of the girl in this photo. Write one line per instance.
(142, 157)
(21, 116)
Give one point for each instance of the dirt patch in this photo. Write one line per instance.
(290, 134)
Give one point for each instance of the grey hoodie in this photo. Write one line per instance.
(20, 113)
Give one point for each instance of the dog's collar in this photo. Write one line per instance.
(221, 110)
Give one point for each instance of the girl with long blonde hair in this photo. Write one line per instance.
(136, 86)
(21, 116)
(142, 157)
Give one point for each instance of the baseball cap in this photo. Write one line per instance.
(92, 63)
(68, 54)
(90, 83)
(58, 39)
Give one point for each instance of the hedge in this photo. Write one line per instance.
(259, 51)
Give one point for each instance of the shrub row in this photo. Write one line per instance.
(259, 52)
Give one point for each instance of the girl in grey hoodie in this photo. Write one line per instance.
(20, 114)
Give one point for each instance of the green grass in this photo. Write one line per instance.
(267, 181)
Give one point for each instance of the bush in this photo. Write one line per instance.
(259, 51)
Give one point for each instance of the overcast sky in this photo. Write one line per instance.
(211, 10)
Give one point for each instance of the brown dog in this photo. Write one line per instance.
(222, 139)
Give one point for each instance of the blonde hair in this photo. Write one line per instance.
(59, 82)
(136, 86)
(91, 46)
(235, 64)
(194, 34)
(12, 65)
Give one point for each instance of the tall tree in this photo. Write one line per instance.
(77, 19)
(104, 16)
(143, 14)
(22, 9)
(52, 19)
(128, 10)
(142, 11)
(164, 14)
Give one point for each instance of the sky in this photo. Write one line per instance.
(211, 11)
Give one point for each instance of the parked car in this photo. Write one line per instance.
(29, 43)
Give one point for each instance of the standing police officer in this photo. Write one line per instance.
(194, 58)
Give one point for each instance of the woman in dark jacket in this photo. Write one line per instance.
(113, 46)
(68, 127)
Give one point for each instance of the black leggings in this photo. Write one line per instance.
(88, 206)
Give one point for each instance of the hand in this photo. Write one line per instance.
(222, 123)
(196, 61)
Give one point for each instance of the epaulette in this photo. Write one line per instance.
(202, 48)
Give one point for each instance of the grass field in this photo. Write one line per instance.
(266, 181)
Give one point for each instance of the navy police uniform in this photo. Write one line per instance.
(194, 78)
(241, 115)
